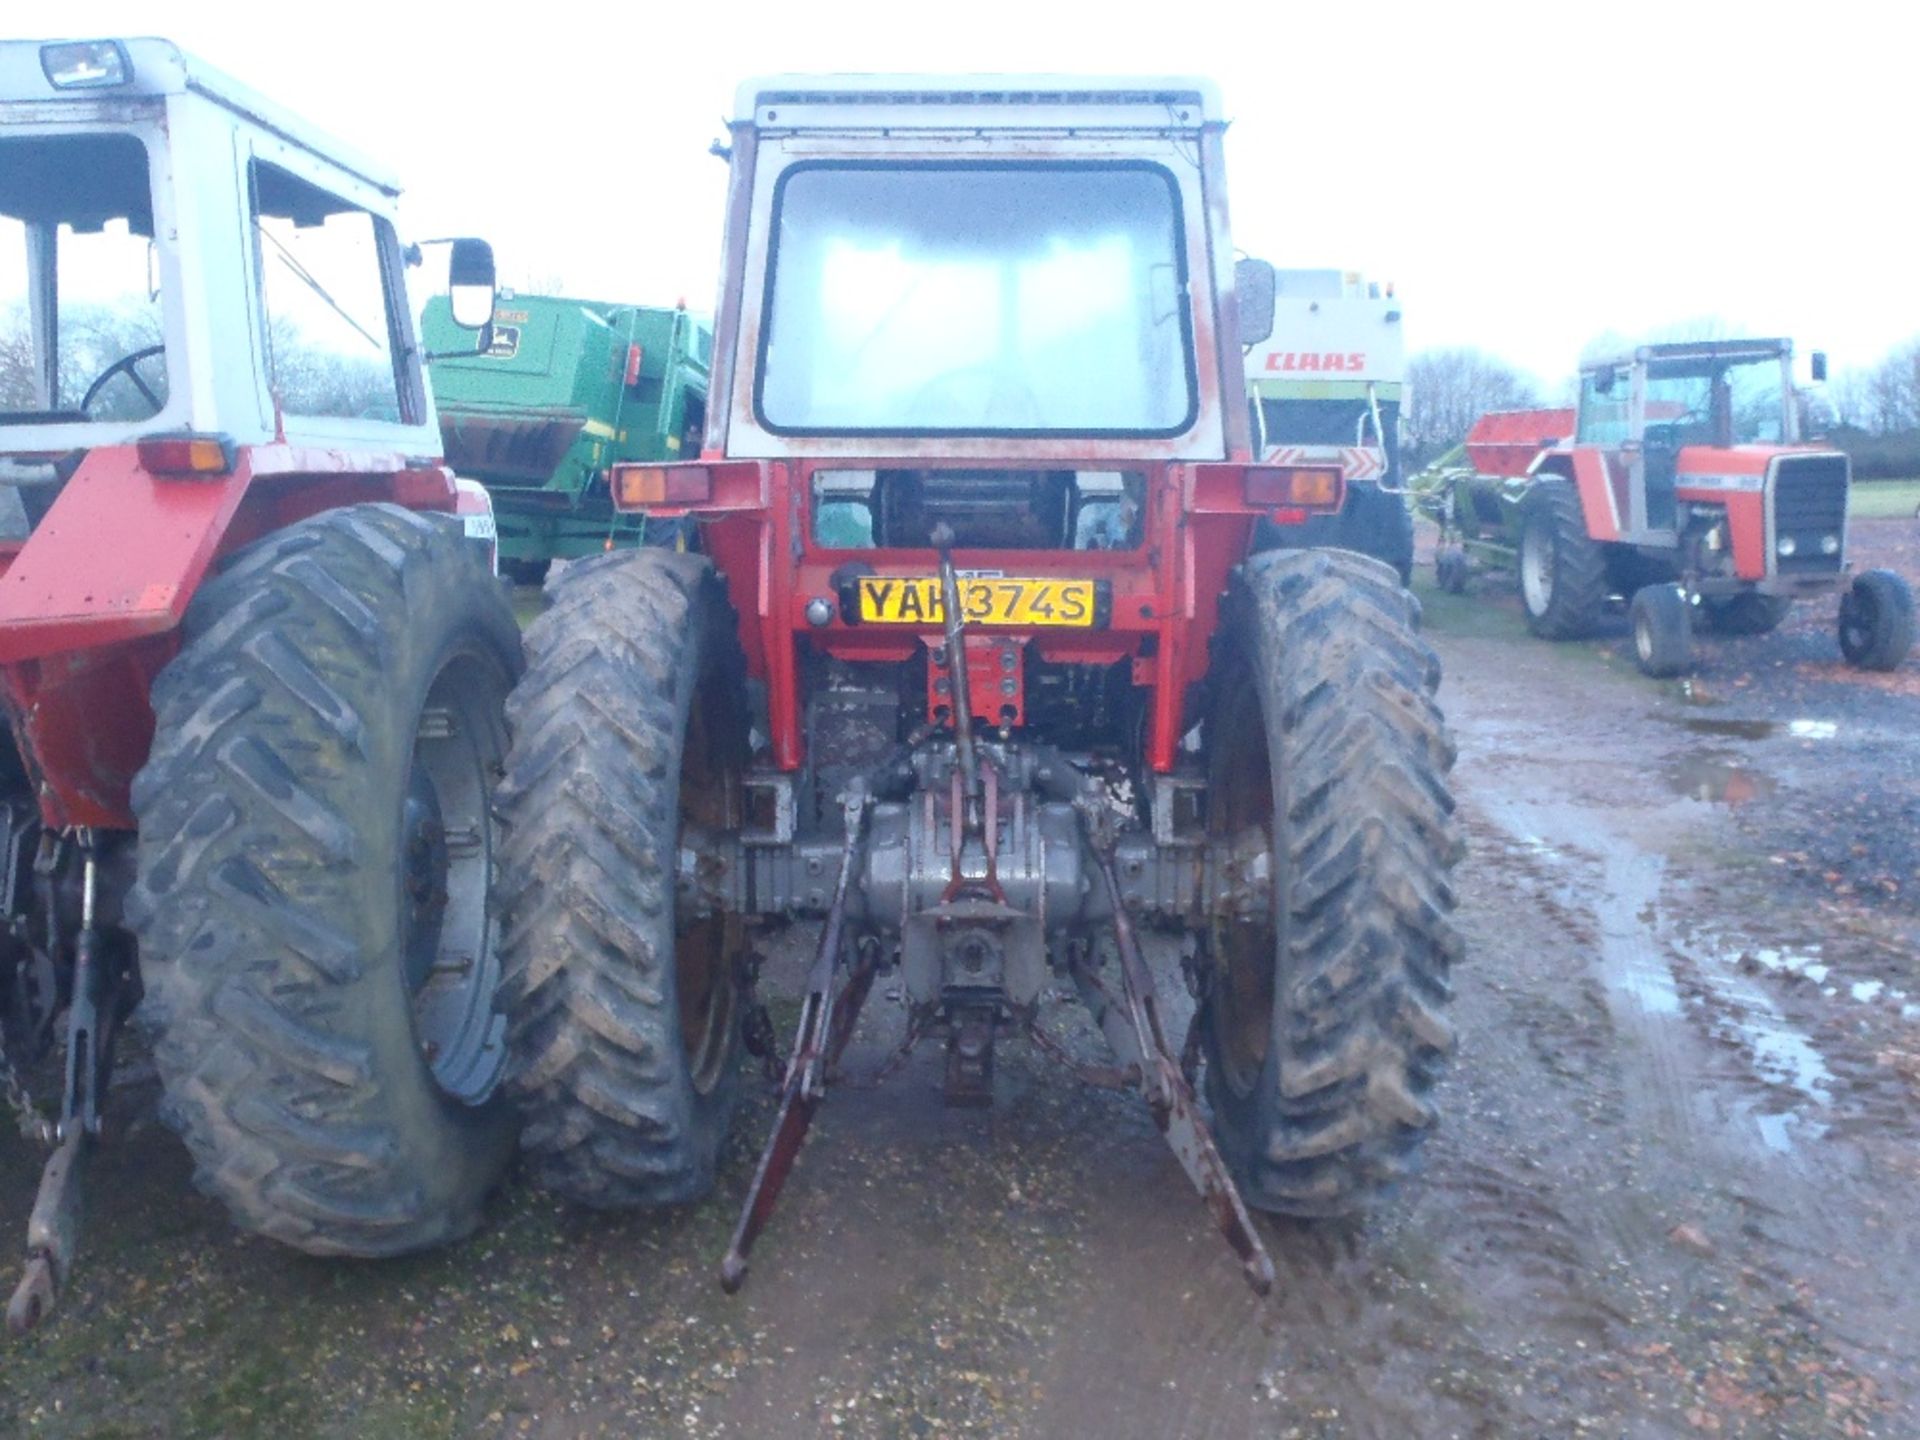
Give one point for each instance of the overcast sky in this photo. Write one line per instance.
(1529, 175)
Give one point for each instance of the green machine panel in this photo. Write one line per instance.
(567, 388)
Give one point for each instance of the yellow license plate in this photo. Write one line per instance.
(984, 600)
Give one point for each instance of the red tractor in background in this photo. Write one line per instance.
(252, 664)
(1680, 483)
(973, 659)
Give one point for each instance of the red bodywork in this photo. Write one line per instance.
(1508, 443)
(1165, 594)
(1603, 479)
(91, 601)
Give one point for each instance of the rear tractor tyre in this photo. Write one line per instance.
(1662, 620)
(1563, 571)
(623, 1006)
(1876, 621)
(1748, 613)
(315, 852)
(1324, 1023)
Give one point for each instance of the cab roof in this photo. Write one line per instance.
(927, 100)
(159, 68)
(1687, 350)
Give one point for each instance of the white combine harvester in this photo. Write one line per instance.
(1326, 388)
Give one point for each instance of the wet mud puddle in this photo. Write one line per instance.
(1666, 989)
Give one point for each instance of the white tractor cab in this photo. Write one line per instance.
(1326, 388)
(178, 254)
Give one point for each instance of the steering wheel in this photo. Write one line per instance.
(125, 363)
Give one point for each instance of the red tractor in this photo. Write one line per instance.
(973, 658)
(252, 664)
(1680, 483)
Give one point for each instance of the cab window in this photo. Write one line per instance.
(81, 334)
(1604, 395)
(329, 278)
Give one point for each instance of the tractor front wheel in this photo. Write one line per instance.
(1876, 621)
(1563, 571)
(316, 847)
(1324, 1019)
(1662, 619)
(624, 1010)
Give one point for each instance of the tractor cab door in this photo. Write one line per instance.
(1612, 418)
(1615, 413)
(1676, 406)
(1659, 466)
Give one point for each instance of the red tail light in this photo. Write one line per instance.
(187, 455)
(637, 486)
(1302, 487)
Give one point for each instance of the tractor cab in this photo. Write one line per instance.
(1713, 396)
(193, 282)
(180, 257)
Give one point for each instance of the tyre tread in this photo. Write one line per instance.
(1370, 839)
(1579, 565)
(590, 872)
(260, 752)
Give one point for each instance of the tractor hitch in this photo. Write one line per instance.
(105, 990)
(1140, 1041)
(53, 1234)
(827, 1017)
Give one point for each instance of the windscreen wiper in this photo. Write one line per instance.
(288, 259)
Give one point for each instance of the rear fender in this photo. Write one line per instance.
(1598, 479)
(92, 601)
(116, 557)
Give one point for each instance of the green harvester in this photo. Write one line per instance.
(568, 388)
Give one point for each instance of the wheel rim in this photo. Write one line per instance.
(1245, 949)
(1643, 639)
(704, 944)
(1536, 571)
(446, 860)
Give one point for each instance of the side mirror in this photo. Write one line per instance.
(1253, 292)
(1820, 367)
(470, 284)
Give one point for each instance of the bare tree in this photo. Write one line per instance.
(1693, 327)
(1448, 390)
(1611, 344)
(92, 337)
(16, 361)
(1876, 414)
(1847, 396)
(308, 379)
(1882, 399)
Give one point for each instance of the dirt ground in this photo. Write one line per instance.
(1673, 1192)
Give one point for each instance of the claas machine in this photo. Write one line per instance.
(1680, 484)
(1326, 388)
(971, 658)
